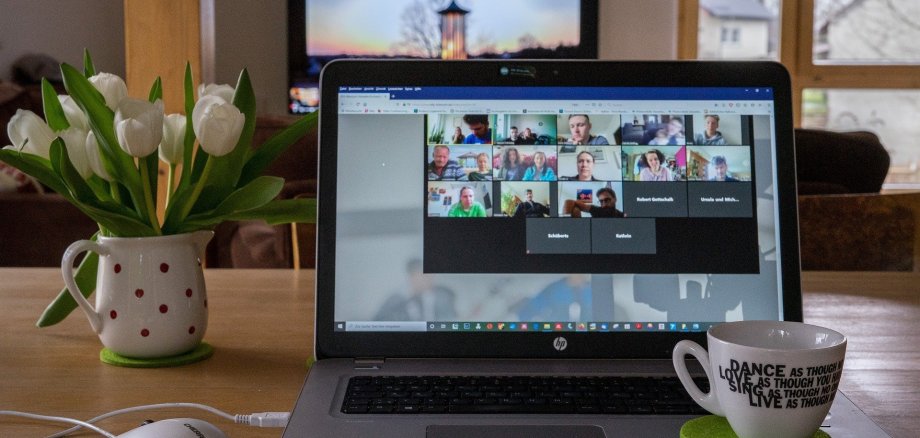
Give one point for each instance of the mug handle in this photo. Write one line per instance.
(70, 255)
(708, 401)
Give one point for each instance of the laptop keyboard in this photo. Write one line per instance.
(519, 395)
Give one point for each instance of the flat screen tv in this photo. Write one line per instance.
(322, 30)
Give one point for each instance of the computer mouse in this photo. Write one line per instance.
(175, 428)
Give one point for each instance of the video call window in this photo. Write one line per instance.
(654, 129)
(460, 129)
(655, 163)
(459, 199)
(524, 163)
(525, 129)
(526, 199)
(586, 192)
(719, 163)
(587, 129)
(717, 130)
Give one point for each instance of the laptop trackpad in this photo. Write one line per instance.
(523, 431)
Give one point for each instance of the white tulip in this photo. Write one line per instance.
(222, 91)
(94, 157)
(112, 87)
(173, 144)
(28, 128)
(217, 125)
(75, 116)
(75, 141)
(139, 126)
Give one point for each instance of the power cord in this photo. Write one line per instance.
(258, 419)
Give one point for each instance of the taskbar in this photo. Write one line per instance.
(519, 326)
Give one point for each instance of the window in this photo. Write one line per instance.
(855, 64)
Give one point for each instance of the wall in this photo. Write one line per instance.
(62, 29)
(637, 29)
(252, 34)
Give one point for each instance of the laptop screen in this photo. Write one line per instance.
(554, 209)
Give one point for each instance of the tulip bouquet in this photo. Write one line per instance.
(100, 149)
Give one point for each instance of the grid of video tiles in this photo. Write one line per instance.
(562, 165)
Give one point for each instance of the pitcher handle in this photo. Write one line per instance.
(67, 261)
(708, 401)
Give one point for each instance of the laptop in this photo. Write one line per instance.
(486, 223)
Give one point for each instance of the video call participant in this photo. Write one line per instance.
(673, 135)
(467, 207)
(585, 163)
(425, 301)
(539, 171)
(514, 137)
(711, 136)
(479, 125)
(652, 169)
(458, 136)
(531, 208)
(567, 299)
(482, 172)
(608, 208)
(580, 128)
(512, 167)
(720, 167)
(442, 168)
(527, 137)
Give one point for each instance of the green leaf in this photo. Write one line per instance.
(156, 91)
(61, 163)
(189, 147)
(36, 167)
(300, 210)
(255, 194)
(85, 277)
(123, 224)
(178, 199)
(54, 112)
(276, 145)
(88, 68)
(152, 162)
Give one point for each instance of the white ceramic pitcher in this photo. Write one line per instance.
(150, 292)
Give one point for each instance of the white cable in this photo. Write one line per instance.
(262, 419)
(59, 420)
(145, 408)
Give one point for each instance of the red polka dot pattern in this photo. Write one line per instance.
(188, 293)
(117, 268)
(164, 308)
(113, 314)
(139, 293)
(191, 330)
(205, 303)
(145, 333)
(164, 267)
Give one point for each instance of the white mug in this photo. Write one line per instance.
(768, 378)
(150, 293)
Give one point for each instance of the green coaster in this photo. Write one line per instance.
(201, 352)
(712, 426)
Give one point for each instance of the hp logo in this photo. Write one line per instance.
(560, 343)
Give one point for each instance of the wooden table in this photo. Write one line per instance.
(261, 328)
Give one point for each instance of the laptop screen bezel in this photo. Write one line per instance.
(331, 343)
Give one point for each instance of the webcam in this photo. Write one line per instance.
(525, 71)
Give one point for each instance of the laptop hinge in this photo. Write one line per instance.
(368, 363)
